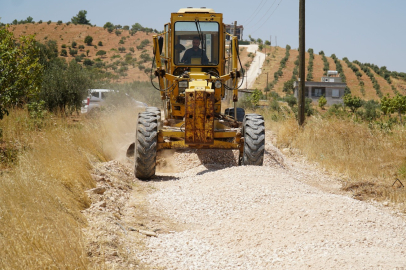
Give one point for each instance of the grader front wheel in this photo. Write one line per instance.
(146, 145)
(254, 140)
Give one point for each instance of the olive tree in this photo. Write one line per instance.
(88, 40)
(65, 86)
(20, 70)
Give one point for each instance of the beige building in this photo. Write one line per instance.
(330, 87)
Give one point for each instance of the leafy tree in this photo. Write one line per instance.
(322, 102)
(255, 97)
(49, 22)
(100, 43)
(87, 52)
(267, 42)
(352, 102)
(20, 68)
(291, 100)
(118, 32)
(65, 86)
(121, 49)
(73, 52)
(108, 25)
(386, 105)
(30, 20)
(88, 40)
(126, 27)
(74, 44)
(81, 47)
(64, 52)
(15, 22)
(47, 52)
(101, 53)
(399, 105)
(40, 21)
(80, 18)
(88, 62)
(131, 49)
(137, 27)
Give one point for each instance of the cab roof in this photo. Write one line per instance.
(196, 10)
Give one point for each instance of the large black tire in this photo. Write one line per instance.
(240, 113)
(146, 145)
(254, 140)
(158, 113)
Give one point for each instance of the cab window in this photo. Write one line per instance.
(196, 43)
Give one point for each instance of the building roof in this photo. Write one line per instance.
(322, 84)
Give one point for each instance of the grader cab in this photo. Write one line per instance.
(191, 61)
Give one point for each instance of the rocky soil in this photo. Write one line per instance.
(204, 212)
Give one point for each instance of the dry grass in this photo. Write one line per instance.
(368, 158)
(42, 192)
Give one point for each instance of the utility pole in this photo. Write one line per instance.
(266, 87)
(301, 92)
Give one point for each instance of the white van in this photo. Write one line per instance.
(96, 99)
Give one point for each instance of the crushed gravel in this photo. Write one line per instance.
(210, 214)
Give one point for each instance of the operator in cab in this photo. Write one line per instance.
(196, 53)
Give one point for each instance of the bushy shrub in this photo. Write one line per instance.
(88, 40)
(100, 43)
(63, 46)
(49, 22)
(73, 52)
(88, 62)
(101, 53)
(59, 22)
(81, 47)
(64, 52)
(74, 44)
(121, 49)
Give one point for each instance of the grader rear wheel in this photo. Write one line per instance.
(146, 145)
(254, 140)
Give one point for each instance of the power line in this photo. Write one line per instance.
(266, 12)
(268, 17)
(253, 14)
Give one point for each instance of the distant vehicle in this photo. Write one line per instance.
(96, 100)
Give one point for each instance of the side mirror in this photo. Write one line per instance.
(161, 44)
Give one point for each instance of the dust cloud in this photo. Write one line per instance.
(120, 125)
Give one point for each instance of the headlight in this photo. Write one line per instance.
(183, 84)
(217, 84)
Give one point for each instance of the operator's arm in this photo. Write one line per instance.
(186, 57)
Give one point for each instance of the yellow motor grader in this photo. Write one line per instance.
(191, 59)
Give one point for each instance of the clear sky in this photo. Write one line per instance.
(366, 30)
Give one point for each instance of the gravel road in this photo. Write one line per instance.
(284, 215)
(269, 218)
(256, 65)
